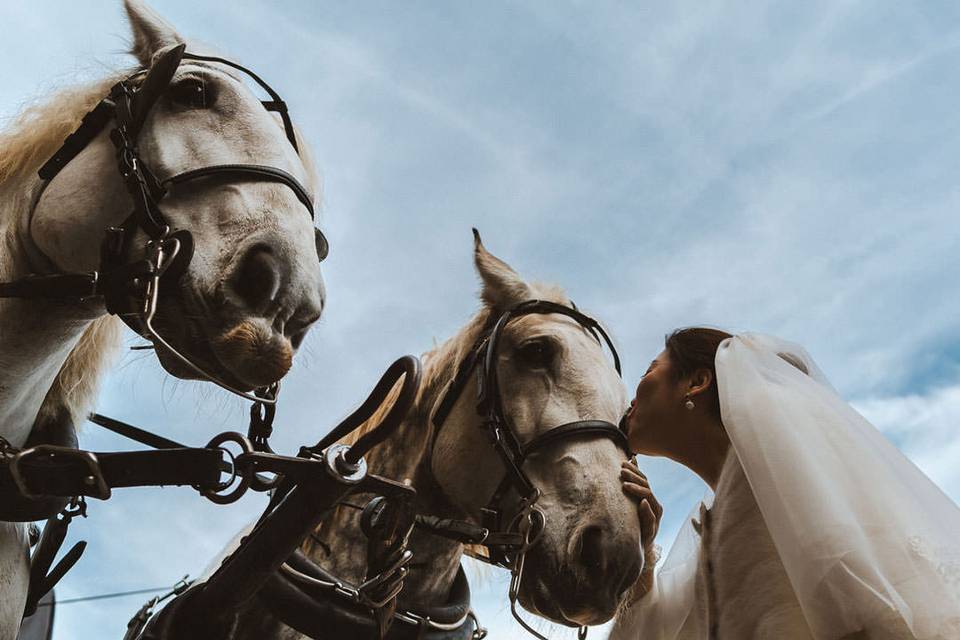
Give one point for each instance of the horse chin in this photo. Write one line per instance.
(254, 352)
(247, 356)
(179, 369)
(555, 596)
(539, 601)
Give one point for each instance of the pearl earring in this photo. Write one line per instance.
(689, 404)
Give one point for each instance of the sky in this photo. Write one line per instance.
(768, 166)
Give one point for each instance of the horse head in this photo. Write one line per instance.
(550, 370)
(252, 286)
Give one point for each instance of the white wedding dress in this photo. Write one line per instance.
(819, 529)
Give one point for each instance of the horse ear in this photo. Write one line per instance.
(502, 286)
(151, 33)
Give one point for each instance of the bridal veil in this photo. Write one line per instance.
(867, 540)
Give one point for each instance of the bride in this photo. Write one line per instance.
(818, 527)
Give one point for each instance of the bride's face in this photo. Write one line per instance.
(652, 420)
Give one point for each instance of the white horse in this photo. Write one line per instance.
(251, 290)
(551, 371)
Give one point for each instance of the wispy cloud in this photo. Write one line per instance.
(785, 168)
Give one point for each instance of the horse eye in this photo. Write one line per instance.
(192, 93)
(537, 354)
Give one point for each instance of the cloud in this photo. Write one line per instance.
(785, 169)
(925, 427)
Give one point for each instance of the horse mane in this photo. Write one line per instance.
(439, 366)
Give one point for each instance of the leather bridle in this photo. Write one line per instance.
(507, 543)
(131, 288)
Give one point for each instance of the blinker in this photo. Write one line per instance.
(156, 82)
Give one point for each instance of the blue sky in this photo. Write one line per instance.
(779, 166)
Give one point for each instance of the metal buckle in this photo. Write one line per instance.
(94, 480)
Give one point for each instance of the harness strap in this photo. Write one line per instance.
(250, 171)
(134, 433)
(42, 577)
(467, 532)
(60, 286)
(312, 612)
(576, 430)
(456, 385)
(49, 470)
(275, 103)
(90, 126)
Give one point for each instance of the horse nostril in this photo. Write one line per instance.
(257, 280)
(591, 548)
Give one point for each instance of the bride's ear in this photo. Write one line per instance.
(699, 382)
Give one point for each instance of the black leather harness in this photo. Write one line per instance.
(130, 287)
(298, 592)
(38, 480)
(507, 542)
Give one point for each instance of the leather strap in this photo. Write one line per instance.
(483, 358)
(134, 433)
(576, 430)
(317, 615)
(248, 171)
(49, 470)
(60, 286)
(467, 532)
(90, 127)
(275, 103)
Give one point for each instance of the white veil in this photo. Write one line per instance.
(867, 540)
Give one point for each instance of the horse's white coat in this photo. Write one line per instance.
(59, 227)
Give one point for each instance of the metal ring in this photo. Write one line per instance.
(340, 469)
(217, 442)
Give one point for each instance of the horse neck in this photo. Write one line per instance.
(340, 547)
(38, 337)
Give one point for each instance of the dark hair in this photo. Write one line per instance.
(695, 348)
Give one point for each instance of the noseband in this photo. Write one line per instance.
(131, 289)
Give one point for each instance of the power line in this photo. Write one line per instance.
(105, 596)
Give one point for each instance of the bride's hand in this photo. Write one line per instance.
(636, 485)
